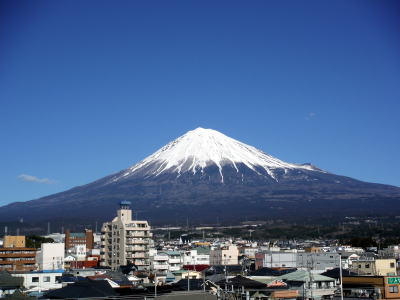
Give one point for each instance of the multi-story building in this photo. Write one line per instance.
(14, 241)
(390, 252)
(371, 287)
(163, 262)
(17, 259)
(225, 255)
(196, 256)
(50, 257)
(159, 263)
(275, 259)
(375, 267)
(73, 239)
(125, 240)
(174, 260)
(302, 260)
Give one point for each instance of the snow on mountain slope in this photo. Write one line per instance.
(200, 148)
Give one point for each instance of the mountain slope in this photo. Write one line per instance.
(206, 175)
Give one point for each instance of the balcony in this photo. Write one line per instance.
(140, 255)
(160, 258)
(136, 234)
(160, 267)
(141, 262)
(136, 242)
(135, 248)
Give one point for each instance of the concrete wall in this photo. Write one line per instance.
(51, 256)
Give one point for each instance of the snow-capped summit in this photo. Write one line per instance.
(201, 148)
(205, 175)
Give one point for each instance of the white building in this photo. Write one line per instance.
(196, 256)
(165, 261)
(125, 240)
(79, 252)
(40, 281)
(390, 252)
(301, 260)
(159, 263)
(225, 255)
(50, 257)
(174, 260)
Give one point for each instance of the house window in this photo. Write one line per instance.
(35, 279)
(46, 279)
(392, 265)
(393, 289)
(367, 266)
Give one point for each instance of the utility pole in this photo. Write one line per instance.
(341, 277)
(155, 285)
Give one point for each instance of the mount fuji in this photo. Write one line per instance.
(204, 175)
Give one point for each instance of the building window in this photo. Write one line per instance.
(367, 266)
(35, 279)
(393, 289)
(392, 265)
(46, 279)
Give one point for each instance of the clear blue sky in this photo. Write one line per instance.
(88, 88)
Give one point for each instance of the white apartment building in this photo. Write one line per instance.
(159, 263)
(51, 256)
(174, 260)
(125, 240)
(163, 262)
(197, 256)
(225, 255)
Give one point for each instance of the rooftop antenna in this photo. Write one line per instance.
(48, 227)
(96, 227)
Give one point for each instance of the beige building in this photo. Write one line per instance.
(377, 267)
(14, 241)
(225, 255)
(125, 240)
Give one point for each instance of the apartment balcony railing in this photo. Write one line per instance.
(136, 242)
(160, 258)
(160, 267)
(135, 248)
